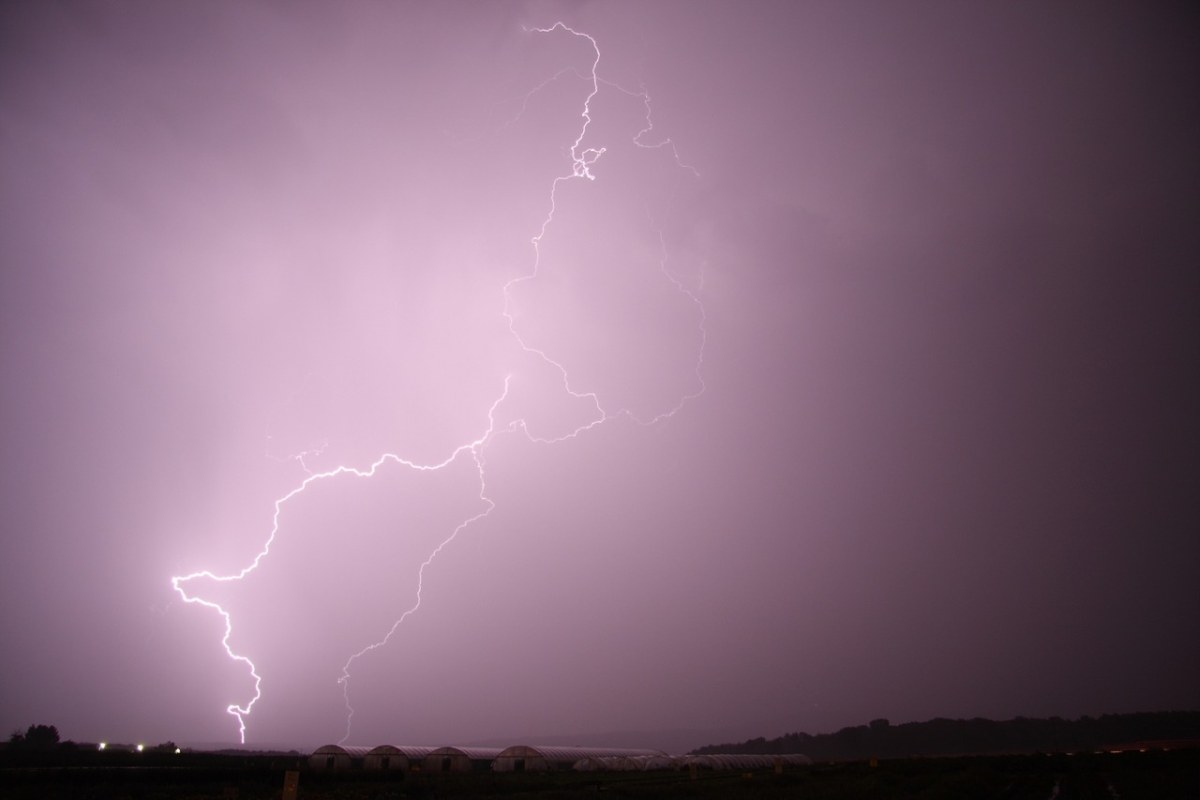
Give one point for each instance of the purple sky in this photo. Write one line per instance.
(915, 285)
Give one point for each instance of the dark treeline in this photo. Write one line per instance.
(977, 736)
(35, 738)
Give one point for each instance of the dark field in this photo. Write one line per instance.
(1128, 776)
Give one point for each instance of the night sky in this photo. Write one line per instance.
(756, 367)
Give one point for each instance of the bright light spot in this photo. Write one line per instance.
(103, 745)
(177, 751)
(141, 747)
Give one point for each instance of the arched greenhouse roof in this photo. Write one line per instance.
(473, 753)
(351, 751)
(569, 755)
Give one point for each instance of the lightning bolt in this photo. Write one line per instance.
(241, 712)
(582, 161)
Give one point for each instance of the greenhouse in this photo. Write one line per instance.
(391, 757)
(644, 763)
(540, 758)
(337, 757)
(524, 758)
(460, 759)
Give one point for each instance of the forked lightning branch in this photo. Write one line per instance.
(584, 160)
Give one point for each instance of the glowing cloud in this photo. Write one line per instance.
(521, 297)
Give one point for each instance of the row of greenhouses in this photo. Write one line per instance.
(526, 758)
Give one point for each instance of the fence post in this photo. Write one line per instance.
(291, 784)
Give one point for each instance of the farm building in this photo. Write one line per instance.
(336, 757)
(460, 759)
(390, 757)
(524, 758)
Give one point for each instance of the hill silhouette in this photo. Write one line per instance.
(979, 736)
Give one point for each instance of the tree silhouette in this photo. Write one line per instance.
(973, 736)
(37, 737)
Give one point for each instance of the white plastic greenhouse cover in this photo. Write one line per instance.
(560, 757)
(745, 760)
(333, 756)
(349, 751)
(662, 762)
(473, 753)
